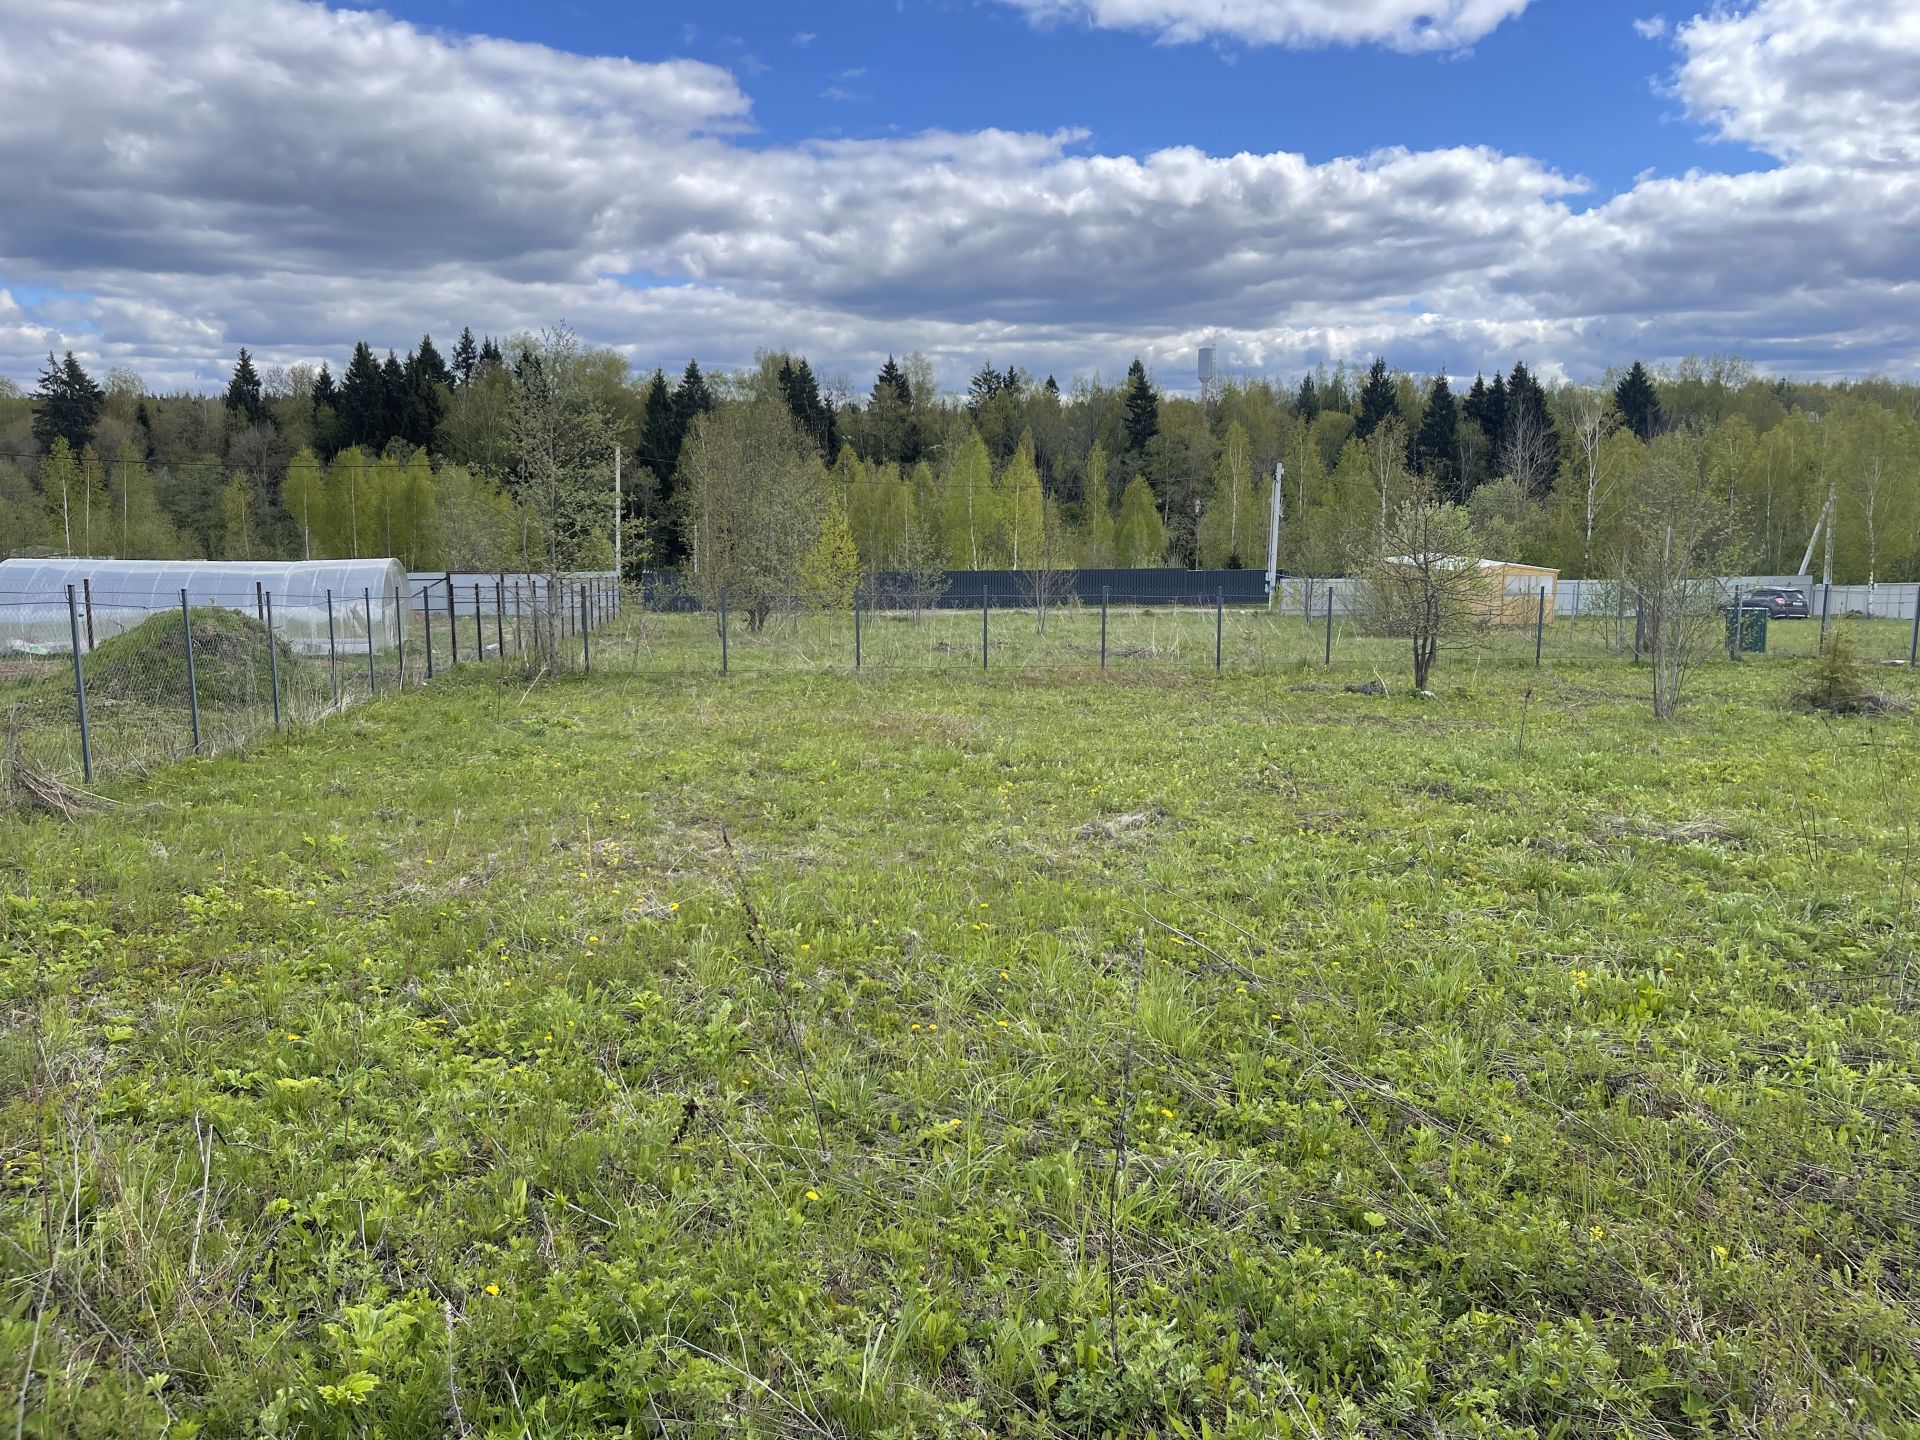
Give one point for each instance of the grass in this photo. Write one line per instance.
(928, 1054)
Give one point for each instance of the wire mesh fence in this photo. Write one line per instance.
(95, 683)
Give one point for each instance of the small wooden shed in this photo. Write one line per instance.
(1510, 591)
(1516, 590)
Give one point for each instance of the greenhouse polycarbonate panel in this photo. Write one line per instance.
(120, 594)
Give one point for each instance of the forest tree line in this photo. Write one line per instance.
(500, 455)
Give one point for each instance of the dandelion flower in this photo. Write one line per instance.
(813, 1194)
(493, 1289)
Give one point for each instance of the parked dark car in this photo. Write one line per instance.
(1782, 602)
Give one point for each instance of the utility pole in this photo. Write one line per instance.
(1273, 534)
(616, 513)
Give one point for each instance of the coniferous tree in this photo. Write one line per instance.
(1474, 407)
(326, 413)
(812, 413)
(659, 447)
(658, 453)
(691, 399)
(361, 405)
(490, 354)
(246, 401)
(987, 382)
(1143, 408)
(324, 394)
(1052, 387)
(466, 356)
(393, 399)
(68, 404)
(1638, 402)
(892, 380)
(425, 381)
(1307, 399)
(1495, 419)
(1378, 402)
(1434, 452)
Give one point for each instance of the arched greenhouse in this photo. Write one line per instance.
(302, 598)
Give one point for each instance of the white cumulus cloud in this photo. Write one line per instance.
(188, 176)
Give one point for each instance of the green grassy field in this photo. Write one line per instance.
(929, 1054)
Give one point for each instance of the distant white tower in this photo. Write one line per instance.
(1209, 370)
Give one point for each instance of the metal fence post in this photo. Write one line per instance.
(426, 614)
(80, 689)
(333, 653)
(86, 595)
(499, 618)
(1329, 622)
(453, 622)
(1540, 628)
(1913, 645)
(856, 627)
(193, 683)
(586, 633)
(1826, 609)
(259, 603)
(519, 642)
(723, 629)
(983, 627)
(1106, 592)
(373, 676)
(1639, 622)
(479, 635)
(273, 662)
(399, 630)
(1219, 627)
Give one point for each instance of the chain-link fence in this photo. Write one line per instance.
(669, 630)
(94, 682)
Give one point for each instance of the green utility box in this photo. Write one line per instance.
(1746, 630)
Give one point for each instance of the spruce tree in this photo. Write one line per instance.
(1638, 402)
(1378, 403)
(1306, 400)
(393, 400)
(1494, 415)
(326, 413)
(659, 455)
(1052, 387)
(68, 404)
(812, 413)
(425, 380)
(691, 399)
(892, 380)
(245, 400)
(983, 387)
(1143, 408)
(360, 406)
(490, 354)
(1434, 450)
(1474, 407)
(466, 355)
(324, 394)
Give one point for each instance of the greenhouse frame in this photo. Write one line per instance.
(311, 602)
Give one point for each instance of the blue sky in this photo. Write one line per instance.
(1572, 82)
(1059, 184)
